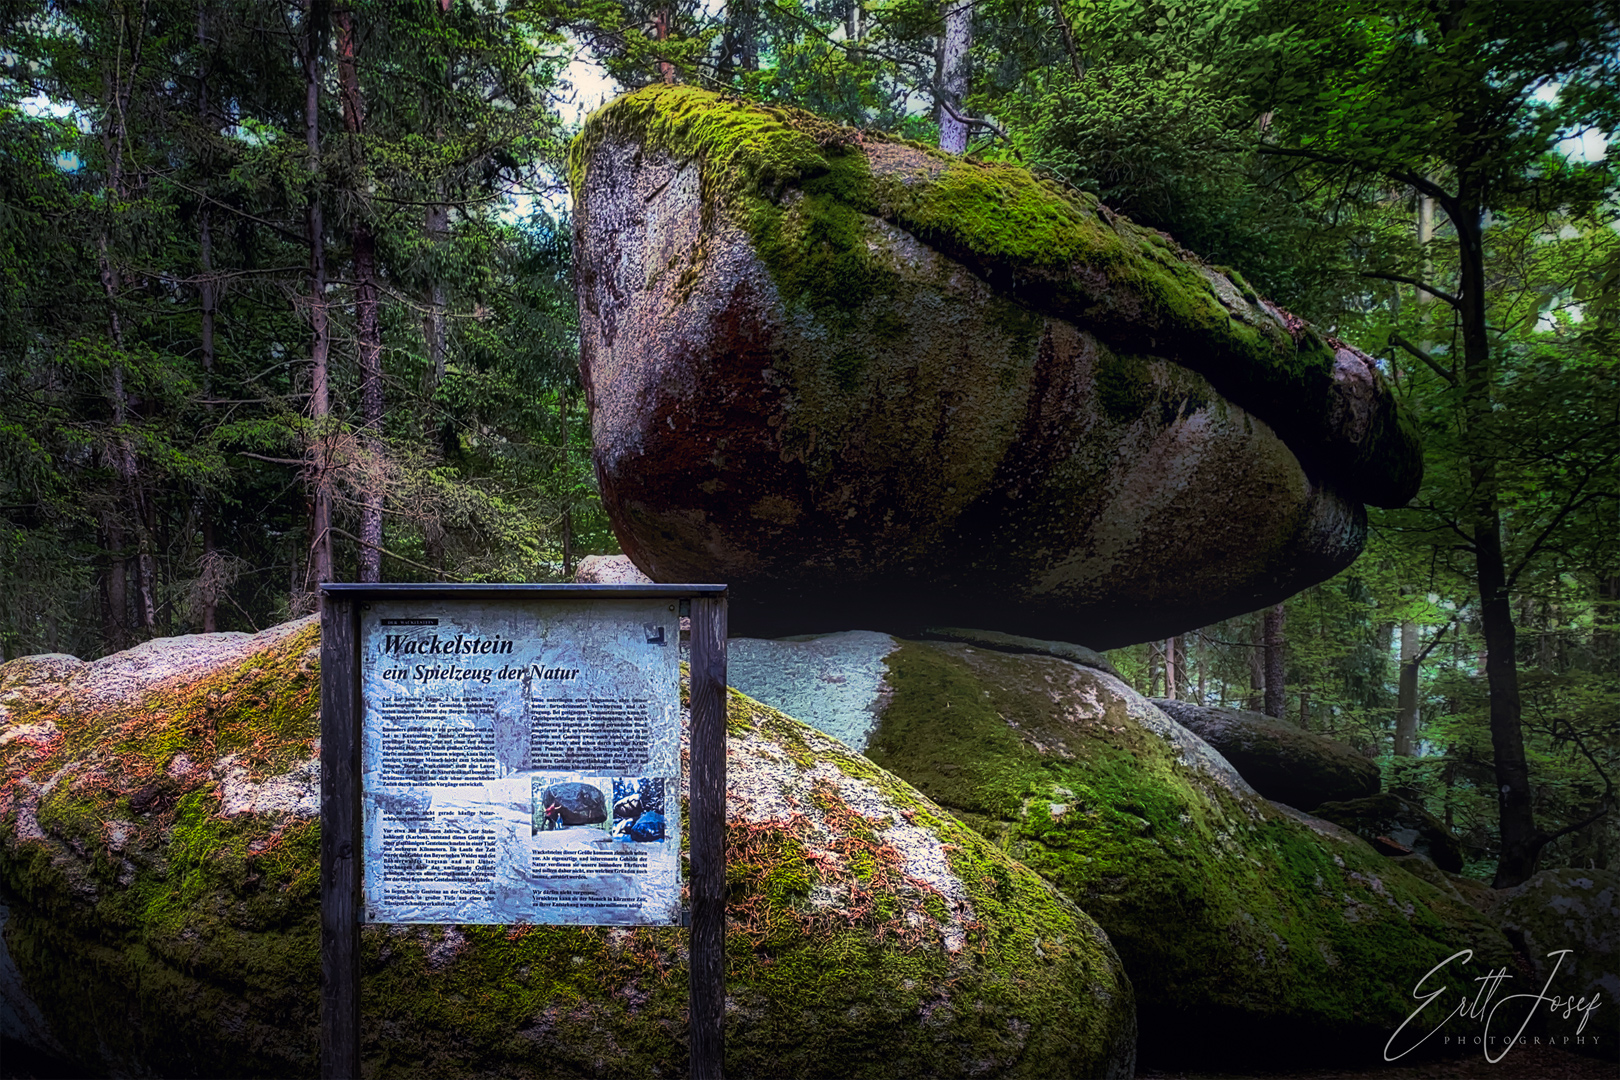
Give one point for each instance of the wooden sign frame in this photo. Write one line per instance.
(341, 846)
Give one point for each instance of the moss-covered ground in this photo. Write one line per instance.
(1242, 929)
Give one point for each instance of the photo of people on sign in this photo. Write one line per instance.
(569, 804)
(516, 760)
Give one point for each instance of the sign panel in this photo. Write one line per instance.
(520, 760)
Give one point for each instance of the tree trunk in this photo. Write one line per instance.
(1521, 841)
(666, 70)
(739, 45)
(209, 297)
(1406, 694)
(1202, 648)
(1170, 672)
(117, 89)
(568, 499)
(953, 75)
(367, 326)
(320, 403)
(1608, 614)
(1257, 666)
(1276, 660)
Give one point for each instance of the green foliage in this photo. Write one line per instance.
(151, 483)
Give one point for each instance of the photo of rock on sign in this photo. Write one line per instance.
(638, 810)
(568, 805)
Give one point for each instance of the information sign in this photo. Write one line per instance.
(520, 761)
(511, 754)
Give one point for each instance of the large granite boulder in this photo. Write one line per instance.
(1577, 910)
(1249, 929)
(158, 857)
(1280, 760)
(869, 384)
(1383, 817)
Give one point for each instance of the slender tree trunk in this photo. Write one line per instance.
(115, 598)
(125, 464)
(568, 499)
(366, 320)
(1521, 841)
(1062, 19)
(1170, 672)
(1202, 649)
(437, 227)
(320, 403)
(666, 70)
(1257, 666)
(1406, 694)
(953, 75)
(739, 45)
(209, 296)
(1608, 614)
(1276, 660)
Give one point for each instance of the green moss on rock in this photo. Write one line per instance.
(870, 934)
(1242, 926)
(799, 186)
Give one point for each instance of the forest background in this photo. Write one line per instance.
(287, 298)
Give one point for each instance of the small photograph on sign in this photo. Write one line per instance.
(638, 809)
(569, 805)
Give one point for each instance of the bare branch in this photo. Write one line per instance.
(1414, 282)
(1423, 355)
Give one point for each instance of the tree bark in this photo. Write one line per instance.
(367, 326)
(953, 75)
(320, 402)
(1257, 666)
(117, 90)
(1521, 841)
(209, 297)
(1406, 694)
(1170, 672)
(1276, 660)
(666, 70)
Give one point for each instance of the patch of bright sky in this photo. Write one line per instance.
(1588, 145)
(584, 87)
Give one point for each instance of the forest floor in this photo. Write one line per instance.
(1521, 1063)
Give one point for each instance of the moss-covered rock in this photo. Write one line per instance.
(1389, 816)
(1249, 929)
(1280, 760)
(158, 854)
(871, 385)
(1579, 911)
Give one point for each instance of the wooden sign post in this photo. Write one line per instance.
(502, 754)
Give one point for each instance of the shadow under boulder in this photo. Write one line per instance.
(1279, 760)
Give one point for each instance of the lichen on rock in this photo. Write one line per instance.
(161, 848)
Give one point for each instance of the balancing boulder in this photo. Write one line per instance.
(872, 385)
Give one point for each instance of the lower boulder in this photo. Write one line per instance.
(1250, 930)
(1566, 922)
(159, 858)
(1396, 826)
(1279, 760)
